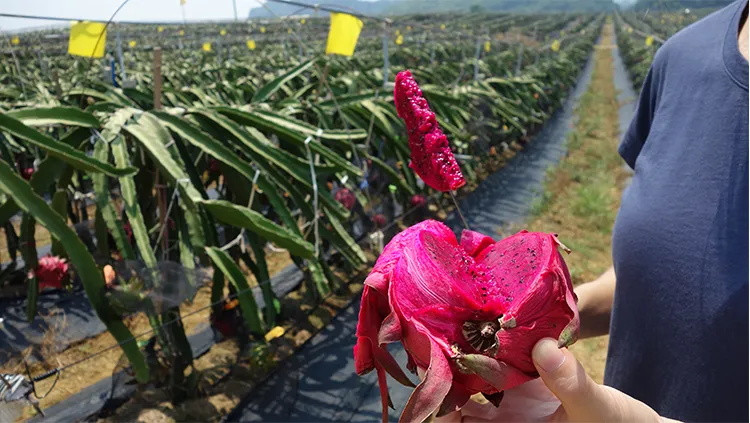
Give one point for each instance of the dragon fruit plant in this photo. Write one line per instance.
(431, 155)
(468, 313)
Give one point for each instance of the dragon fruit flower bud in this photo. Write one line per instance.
(51, 272)
(431, 155)
(468, 313)
(346, 198)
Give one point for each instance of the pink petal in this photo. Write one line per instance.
(385, 398)
(430, 393)
(433, 270)
(390, 330)
(380, 275)
(514, 262)
(364, 361)
(546, 312)
(474, 242)
(454, 400)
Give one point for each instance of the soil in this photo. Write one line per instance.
(76, 378)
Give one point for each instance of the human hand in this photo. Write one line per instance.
(563, 393)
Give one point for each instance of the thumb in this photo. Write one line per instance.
(581, 397)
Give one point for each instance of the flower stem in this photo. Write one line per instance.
(458, 210)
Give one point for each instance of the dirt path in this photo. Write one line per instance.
(582, 194)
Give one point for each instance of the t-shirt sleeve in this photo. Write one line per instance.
(640, 126)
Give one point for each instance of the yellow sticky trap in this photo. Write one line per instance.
(343, 34)
(223, 32)
(399, 40)
(555, 46)
(132, 43)
(251, 44)
(302, 21)
(15, 41)
(487, 46)
(649, 41)
(182, 33)
(87, 39)
(263, 30)
(274, 333)
(442, 27)
(160, 29)
(206, 47)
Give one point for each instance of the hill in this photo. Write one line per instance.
(403, 7)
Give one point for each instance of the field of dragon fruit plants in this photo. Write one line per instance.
(189, 154)
(639, 35)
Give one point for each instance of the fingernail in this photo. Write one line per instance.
(547, 355)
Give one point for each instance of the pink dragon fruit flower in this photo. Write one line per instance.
(468, 313)
(346, 198)
(431, 155)
(51, 272)
(418, 200)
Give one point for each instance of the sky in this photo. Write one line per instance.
(134, 10)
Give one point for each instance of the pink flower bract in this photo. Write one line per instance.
(467, 312)
(431, 155)
(51, 272)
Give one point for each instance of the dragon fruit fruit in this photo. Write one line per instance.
(468, 313)
(431, 155)
(51, 272)
(27, 173)
(418, 200)
(379, 221)
(346, 198)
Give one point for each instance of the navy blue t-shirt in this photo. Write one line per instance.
(679, 330)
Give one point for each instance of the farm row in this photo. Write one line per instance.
(205, 160)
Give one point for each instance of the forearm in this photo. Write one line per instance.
(595, 300)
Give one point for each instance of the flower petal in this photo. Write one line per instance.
(368, 353)
(515, 262)
(380, 275)
(431, 271)
(474, 242)
(546, 312)
(430, 393)
(497, 373)
(456, 398)
(390, 330)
